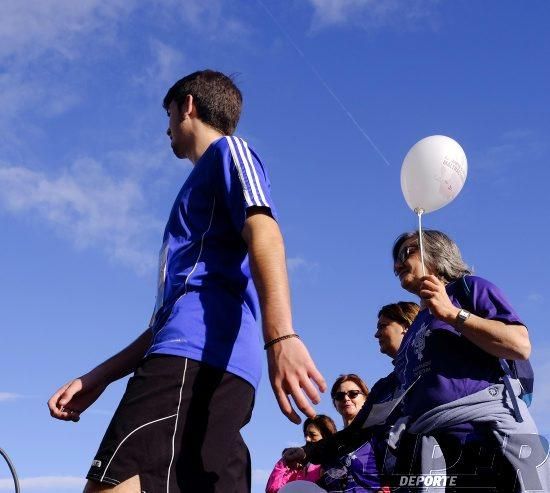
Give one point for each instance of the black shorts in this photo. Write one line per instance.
(178, 428)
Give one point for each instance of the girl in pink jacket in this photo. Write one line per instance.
(315, 429)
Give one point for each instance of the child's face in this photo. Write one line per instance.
(312, 434)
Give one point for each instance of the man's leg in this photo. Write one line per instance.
(140, 435)
(213, 457)
(131, 485)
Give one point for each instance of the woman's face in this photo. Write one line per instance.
(389, 334)
(408, 266)
(348, 400)
(312, 434)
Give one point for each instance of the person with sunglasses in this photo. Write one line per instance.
(349, 392)
(357, 470)
(457, 394)
(393, 322)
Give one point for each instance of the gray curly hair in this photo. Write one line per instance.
(441, 254)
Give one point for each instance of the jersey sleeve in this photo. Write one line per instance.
(490, 302)
(245, 181)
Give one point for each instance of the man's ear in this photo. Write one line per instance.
(188, 107)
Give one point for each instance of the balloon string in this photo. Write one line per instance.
(420, 212)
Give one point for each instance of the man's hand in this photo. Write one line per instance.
(76, 396)
(291, 371)
(433, 292)
(73, 398)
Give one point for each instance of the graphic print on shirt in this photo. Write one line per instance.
(163, 256)
(411, 362)
(419, 342)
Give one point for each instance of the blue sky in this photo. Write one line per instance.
(87, 179)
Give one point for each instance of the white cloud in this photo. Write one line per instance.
(213, 19)
(294, 263)
(46, 49)
(54, 483)
(21, 89)
(166, 65)
(88, 206)
(168, 62)
(39, 43)
(9, 396)
(372, 13)
(260, 477)
(513, 148)
(535, 298)
(300, 263)
(29, 29)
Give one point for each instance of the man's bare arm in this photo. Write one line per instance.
(291, 369)
(76, 396)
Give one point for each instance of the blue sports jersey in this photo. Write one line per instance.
(207, 305)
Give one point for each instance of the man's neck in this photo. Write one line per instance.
(204, 136)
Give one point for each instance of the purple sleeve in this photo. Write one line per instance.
(489, 301)
(245, 180)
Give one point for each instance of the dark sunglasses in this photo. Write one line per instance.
(352, 394)
(405, 253)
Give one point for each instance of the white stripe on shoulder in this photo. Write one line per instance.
(253, 186)
(258, 182)
(239, 170)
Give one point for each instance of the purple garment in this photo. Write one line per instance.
(448, 365)
(356, 472)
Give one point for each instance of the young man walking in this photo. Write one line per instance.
(196, 367)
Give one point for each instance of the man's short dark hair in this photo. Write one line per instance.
(217, 99)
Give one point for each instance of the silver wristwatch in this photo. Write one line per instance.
(462, 316)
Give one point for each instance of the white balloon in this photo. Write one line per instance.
(301, 487)
(433, 173)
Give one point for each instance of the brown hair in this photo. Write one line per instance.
(403, 312)
(217, 99)
(323, 423)
(349, 377)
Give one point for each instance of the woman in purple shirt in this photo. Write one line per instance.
(452, 350)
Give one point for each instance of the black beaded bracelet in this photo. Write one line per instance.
(279, 339)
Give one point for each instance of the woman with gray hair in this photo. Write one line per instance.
(450, 366)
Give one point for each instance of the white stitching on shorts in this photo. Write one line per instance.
(175, 429)
(128, 436)
(106, 479)
(116, 481)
